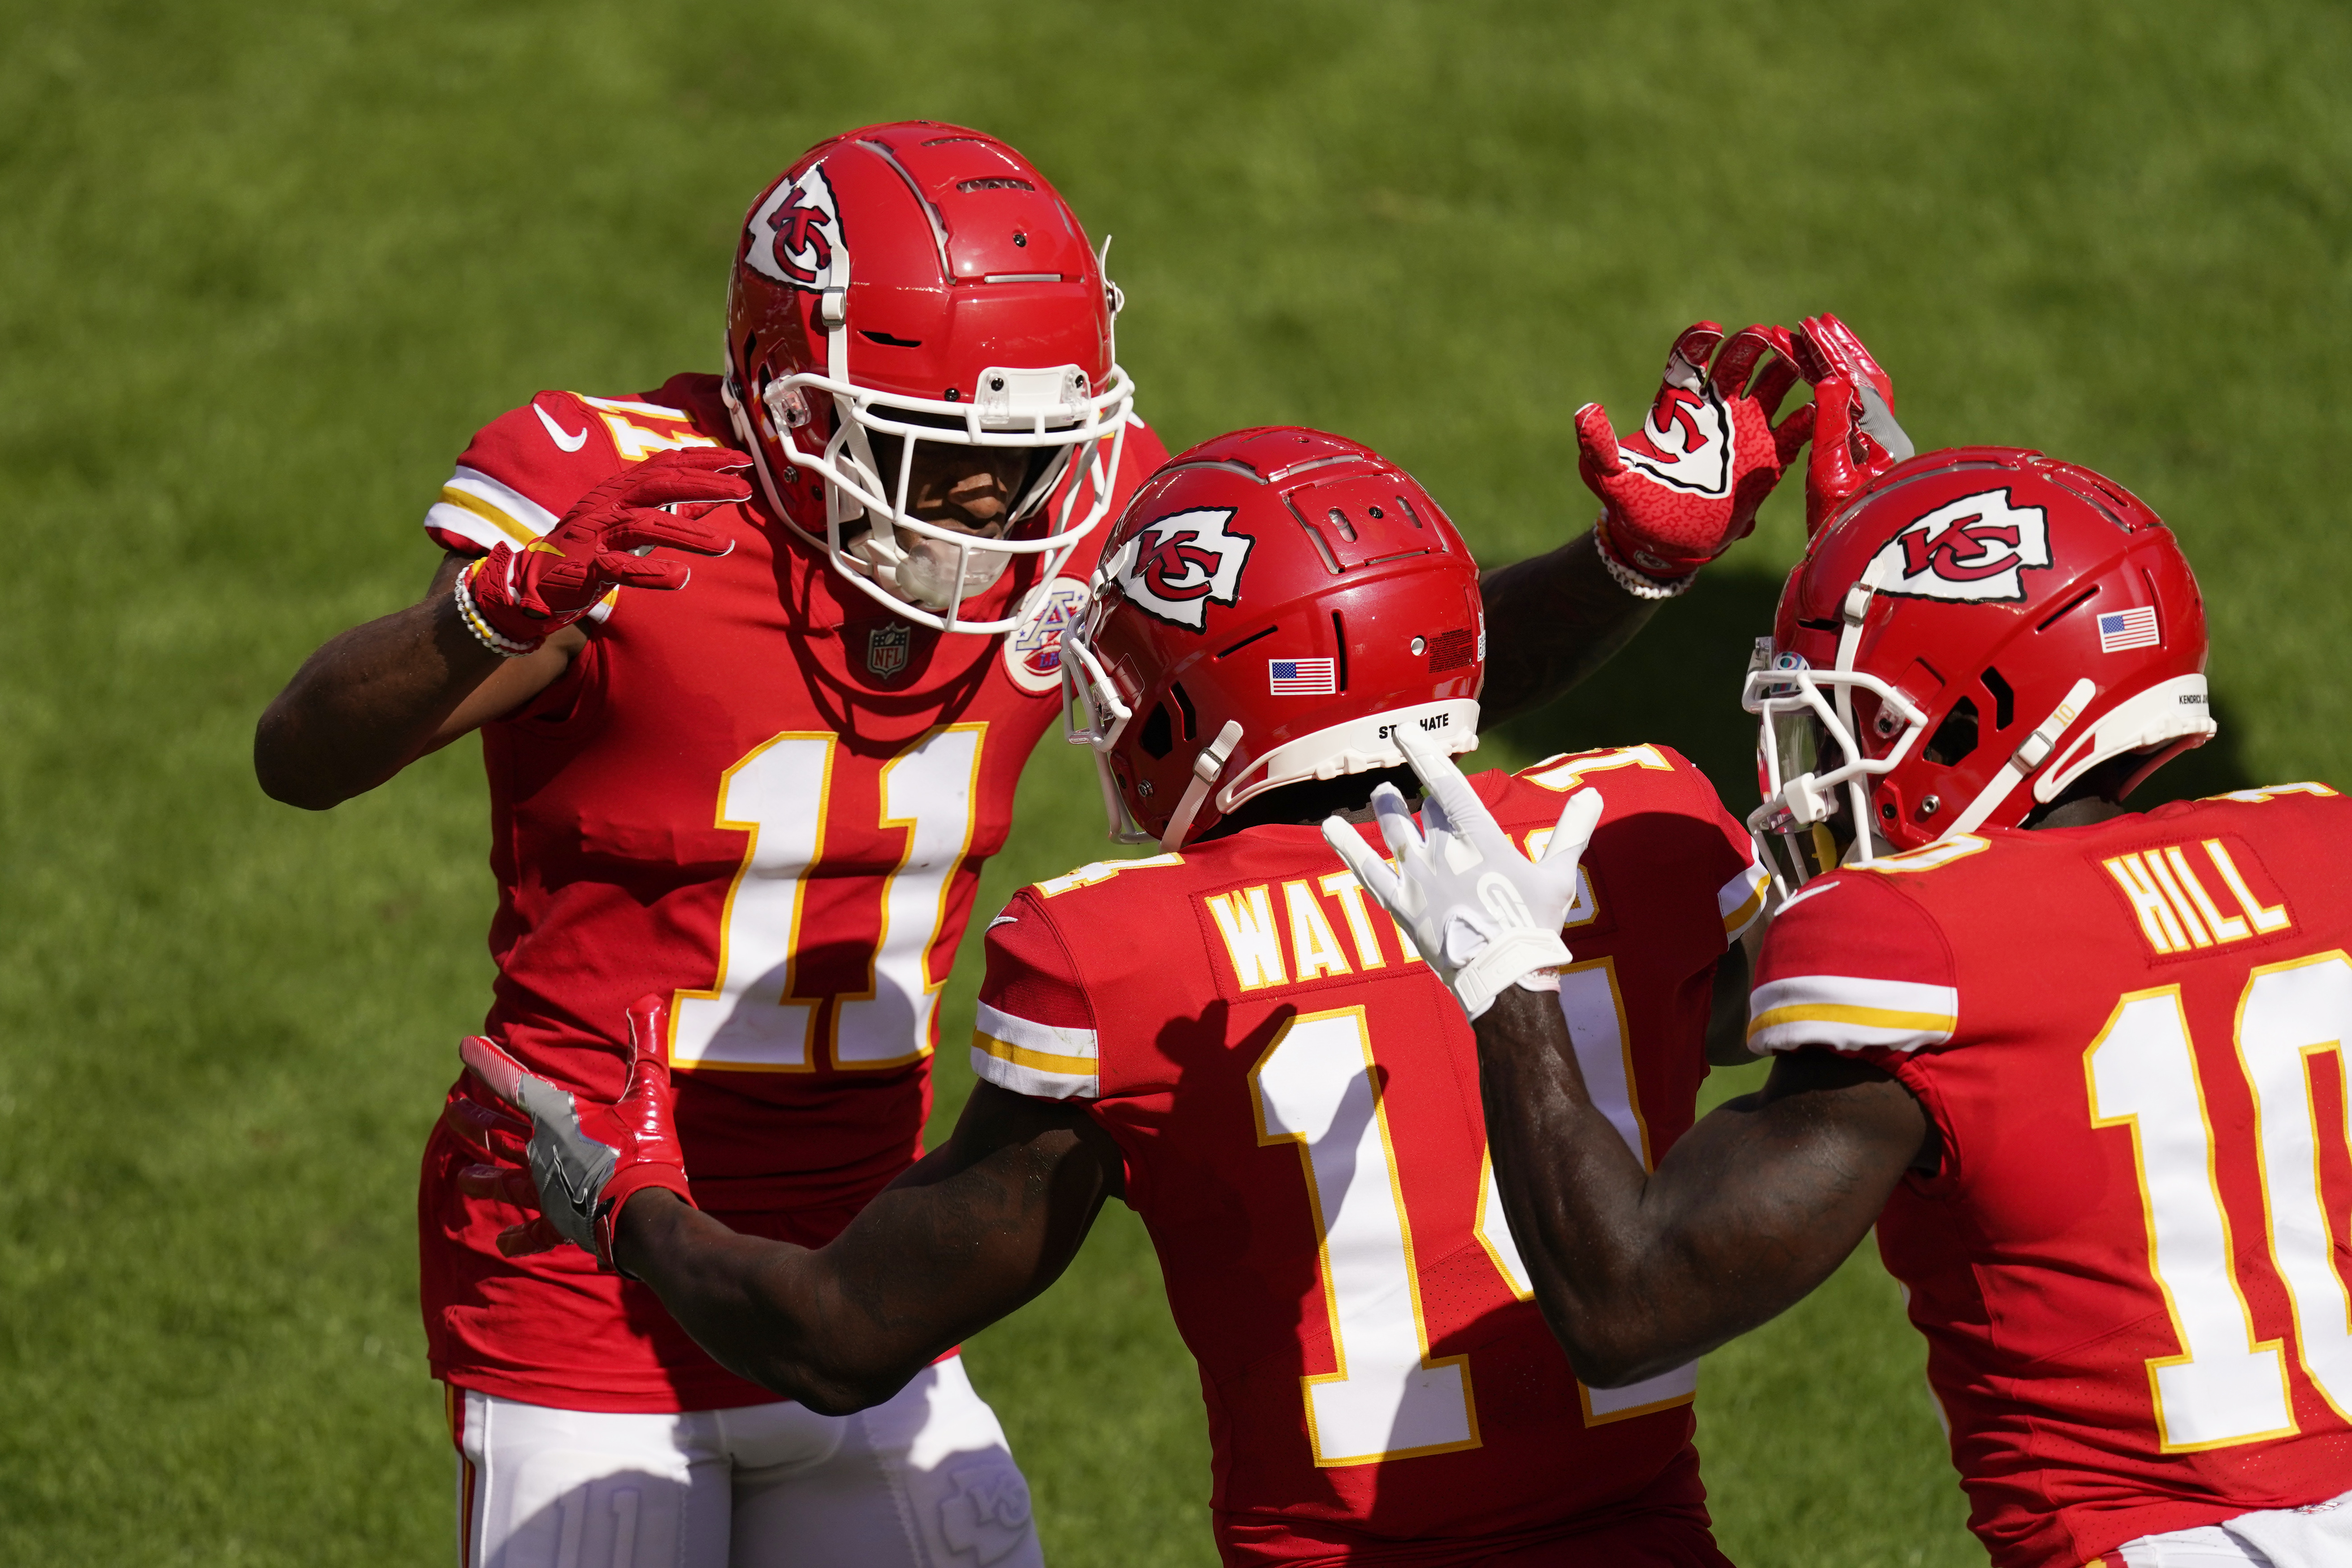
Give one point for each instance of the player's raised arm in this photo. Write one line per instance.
(1752, 1209)
(1674, 495)
(1636, 1271)
(971, 1232)
(489, 634)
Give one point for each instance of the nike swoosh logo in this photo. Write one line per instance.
(555, 432)
(1003, 920)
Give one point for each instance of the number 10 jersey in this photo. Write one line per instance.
(1297, 1098)
(2131, 1267)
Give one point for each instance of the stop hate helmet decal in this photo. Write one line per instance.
(796, 232)
(1971, 550)
(1180, 563)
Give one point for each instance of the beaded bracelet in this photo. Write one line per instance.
(485, 632)
(1633, 582)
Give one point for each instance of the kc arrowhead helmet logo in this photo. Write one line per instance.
(795, 234)
(1970, 550)
(1178, 564)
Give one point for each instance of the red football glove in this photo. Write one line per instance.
(525, 593)
(1855, 437)
(1678, 491)
(586, 1160)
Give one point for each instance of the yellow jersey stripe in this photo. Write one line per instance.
(484, 509)
(1734, 922)
(1036, 1061)
(1866, 1017)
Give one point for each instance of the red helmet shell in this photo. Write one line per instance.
(961, 259)
(1293, 582)
(2002, 578)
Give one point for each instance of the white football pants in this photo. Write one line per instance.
(2319, 1536)
(922, 1481)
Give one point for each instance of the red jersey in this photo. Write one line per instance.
(765, 795)
(1297, 1098)
(2130, 1268)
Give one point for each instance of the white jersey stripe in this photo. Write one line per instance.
(1846, 1013)
(477, 507)
(1049, 1039)
(1034, 1073)
(1044, 1060)
(1741, 900)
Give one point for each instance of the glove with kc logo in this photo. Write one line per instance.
(1483, 914)
(1682, 488)
(523, 594)
(1855, 437)
(586, 1159)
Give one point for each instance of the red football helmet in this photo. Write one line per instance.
(914, 283)
(1976, 618)
(1273, 606)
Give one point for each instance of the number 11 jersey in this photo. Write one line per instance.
(1296, 1099)
(2131, 1266)
(764, 796)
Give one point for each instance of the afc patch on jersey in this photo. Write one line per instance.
(1033, 653)
(1182, 562)
(1974, 549)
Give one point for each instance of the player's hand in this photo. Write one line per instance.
(550, 582)
(1677, 492)
(586, 1159)
(1855, 437)
(1483, 914)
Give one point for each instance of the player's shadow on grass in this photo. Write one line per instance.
(1678, 685)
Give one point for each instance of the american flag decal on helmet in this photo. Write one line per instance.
(2121, 629)
(1302, 678)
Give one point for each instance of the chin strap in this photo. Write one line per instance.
(2031, 753)
(1205, 769)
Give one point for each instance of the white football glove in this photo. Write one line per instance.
(1482, 914)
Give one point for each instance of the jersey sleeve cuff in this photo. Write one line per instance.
(476, 506)
(1846, 1012)
(1740, 901)
(1043, 1061)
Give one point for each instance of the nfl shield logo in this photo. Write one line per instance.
(886, 649)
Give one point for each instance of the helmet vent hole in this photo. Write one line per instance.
(2004, 700)
(1339, 641)
(2069, 608)
(1340, 520)
(1192, 719)
(1253, 637)
(996, 182)
(1956, 737)
(1159, 736)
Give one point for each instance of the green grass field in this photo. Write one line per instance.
(264, 266)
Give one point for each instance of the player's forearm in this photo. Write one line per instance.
(363, 705)
(1551, 620)
(1572, 1191)
(1752, 1209)
(972, 1231)
(768, 1311)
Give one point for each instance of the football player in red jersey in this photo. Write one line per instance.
(2081, 1066)
(769, 795)
(1224, 1037)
